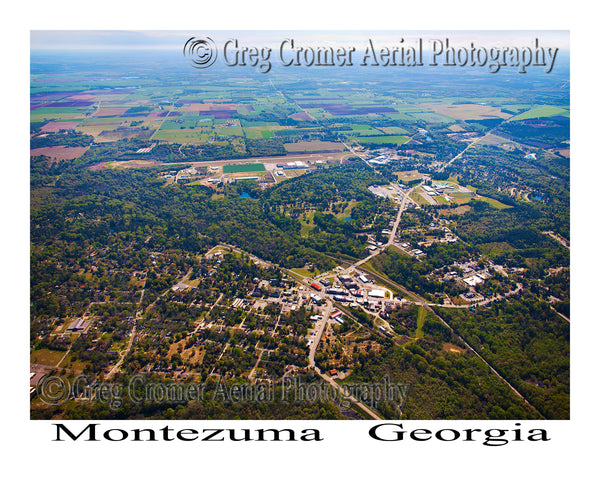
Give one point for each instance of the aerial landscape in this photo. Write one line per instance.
(229, 243)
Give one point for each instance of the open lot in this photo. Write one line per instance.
(409, 176)
(45, 356)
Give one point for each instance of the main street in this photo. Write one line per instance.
(401, 209)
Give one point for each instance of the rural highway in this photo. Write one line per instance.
(473, 143)
(463, 151)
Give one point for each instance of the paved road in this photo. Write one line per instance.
(403, 203)
(320, 328)
(474, 143)
(559, 239)
(163, 121)
(564, 317)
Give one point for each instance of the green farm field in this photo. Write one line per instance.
(397, 139)
(541, 112)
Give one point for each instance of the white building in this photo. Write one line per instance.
(473, 280)
(377, 293)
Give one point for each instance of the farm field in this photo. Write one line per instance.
(541, 112)
(471, 111)
(384, 139)
(182, 136)
(60, 152)
(362, 130)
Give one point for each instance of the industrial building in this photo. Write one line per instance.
(377, 294)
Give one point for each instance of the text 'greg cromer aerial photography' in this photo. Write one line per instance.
(299, 225)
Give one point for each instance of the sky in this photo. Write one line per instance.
(175, 39)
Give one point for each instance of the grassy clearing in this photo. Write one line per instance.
(420, 322)
(73, 364)
(45, 356)
(397, 249)
(494, 203)
(418, 199)
(455, 211)
(308, 224)
(305, 272)
(244, 167)
(347, 211)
